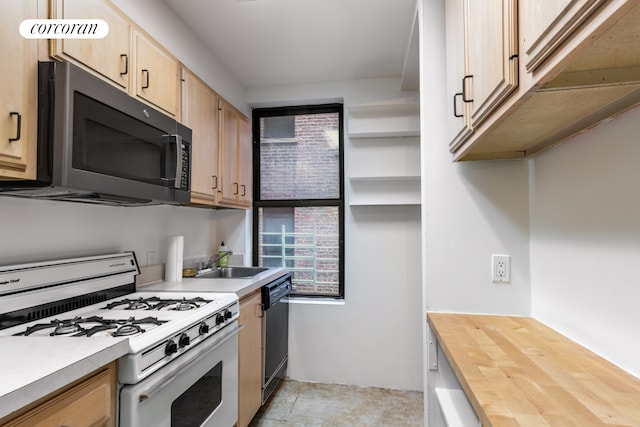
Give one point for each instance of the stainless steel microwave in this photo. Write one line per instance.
(96, 144)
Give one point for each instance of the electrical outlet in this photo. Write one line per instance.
(151, 258)
(500, 268)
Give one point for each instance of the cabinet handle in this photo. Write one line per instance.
(464, 88)
(19, 127)
(455, 105)
(215, 182)
(236, 191)
(146, 85)
(244, 190)
(126, 64)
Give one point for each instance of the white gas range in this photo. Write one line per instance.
(182, 360)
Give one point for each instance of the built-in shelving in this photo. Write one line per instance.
(384, 120)
(384, 190)
(385, 146)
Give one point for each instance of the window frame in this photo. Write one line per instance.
(258, 203)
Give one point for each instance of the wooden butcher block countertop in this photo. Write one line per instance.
(518, 372)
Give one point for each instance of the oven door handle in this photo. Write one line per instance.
(227, 334)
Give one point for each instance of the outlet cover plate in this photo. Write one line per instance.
(500, 268)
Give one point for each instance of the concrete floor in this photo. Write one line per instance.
(296, 403)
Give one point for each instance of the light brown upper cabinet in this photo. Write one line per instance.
(578, 65)
(200, 113)
(245, 164)
(19, 88)
(235, 158)
(492, 55)
(549, 23)
(156, 74)
(109, 56)
(458, 110)
(483, 48)
(126, 56)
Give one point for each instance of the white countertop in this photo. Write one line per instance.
(239, 286)
(33, 367)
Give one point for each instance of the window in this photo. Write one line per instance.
(299, 196)
(279, 128)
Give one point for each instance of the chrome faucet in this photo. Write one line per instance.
(213, 263)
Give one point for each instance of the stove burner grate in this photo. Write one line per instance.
(155, 303)
(181, 305)
(74, 327)
(60, 327)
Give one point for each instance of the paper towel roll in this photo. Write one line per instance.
(173, 266)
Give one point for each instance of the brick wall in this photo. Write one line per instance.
(303, 169)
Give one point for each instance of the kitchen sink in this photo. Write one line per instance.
(231, 273)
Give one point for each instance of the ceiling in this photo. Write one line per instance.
(282, 42)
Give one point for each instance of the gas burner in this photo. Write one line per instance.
(181, 305)
(134, 304)
(123, 328)
(155, 303)
(60, 327)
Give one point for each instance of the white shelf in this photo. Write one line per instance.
(384, 190)
(384, 168)
(384, 120)
(397, 108)
(406, 178)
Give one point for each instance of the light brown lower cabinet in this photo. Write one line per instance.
(250, 358)
(90, 402)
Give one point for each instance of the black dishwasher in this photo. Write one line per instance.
(275, 353)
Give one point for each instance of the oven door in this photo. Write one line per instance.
(200, 388)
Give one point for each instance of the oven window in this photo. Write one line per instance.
(200, 400)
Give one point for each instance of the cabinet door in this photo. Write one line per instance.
(492, 47)
(90, 403)
(109, 56)
(230, 187)
(457, 109)
(156, 75)
(200, 113)
(18, 86)
(547, 24)
(250, 358)
(245, 165)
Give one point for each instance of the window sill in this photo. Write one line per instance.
(279, 140)
(316, 301)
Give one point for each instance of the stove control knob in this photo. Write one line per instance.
(170, 348)
(219, 319)
(184, 340)
(203, 329)
(227, 314)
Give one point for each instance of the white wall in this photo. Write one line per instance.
(35, 230)
(374, 338)
(471, 210)
(585, 239)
